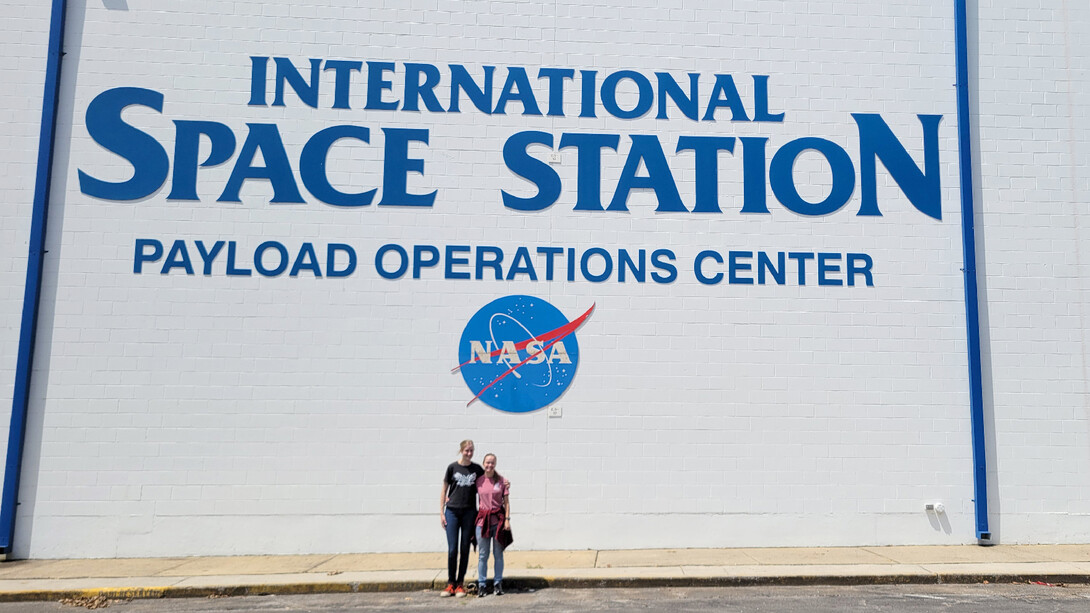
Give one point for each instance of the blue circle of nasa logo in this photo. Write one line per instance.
(519, 353)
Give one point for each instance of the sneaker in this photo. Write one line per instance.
(447, 591)
(481, 591)
(498, 589)
(459, 592)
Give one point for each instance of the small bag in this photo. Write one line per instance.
(505, 537)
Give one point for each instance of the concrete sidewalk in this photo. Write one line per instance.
(246, 575)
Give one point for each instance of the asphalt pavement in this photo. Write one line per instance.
(974, 598)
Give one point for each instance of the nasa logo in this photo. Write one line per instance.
(519, 353)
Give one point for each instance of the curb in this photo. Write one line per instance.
(797, 580)
(522, 583)
(279, 589)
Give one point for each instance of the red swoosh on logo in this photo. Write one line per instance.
(561, 332)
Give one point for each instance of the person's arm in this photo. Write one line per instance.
(443, 506)
(507, 507)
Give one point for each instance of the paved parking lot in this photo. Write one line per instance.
(991, 598)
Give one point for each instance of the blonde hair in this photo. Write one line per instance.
(462, 445)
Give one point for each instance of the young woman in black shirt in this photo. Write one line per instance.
(458, 510)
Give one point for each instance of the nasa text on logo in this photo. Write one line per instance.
(519, 353)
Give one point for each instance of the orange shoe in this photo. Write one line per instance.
(459, 592)
(447, 591)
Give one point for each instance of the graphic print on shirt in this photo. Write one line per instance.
(465, 479)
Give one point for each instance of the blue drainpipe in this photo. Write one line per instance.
(32, 294)
(972, 309)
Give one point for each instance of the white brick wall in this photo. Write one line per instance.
(24, 33)
(1033, 160)
(180, 415)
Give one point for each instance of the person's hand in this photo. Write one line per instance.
(507, 523)
(443, 520)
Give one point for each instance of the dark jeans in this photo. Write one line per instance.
(459, 520)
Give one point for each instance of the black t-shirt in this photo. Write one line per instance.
(462, 485)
